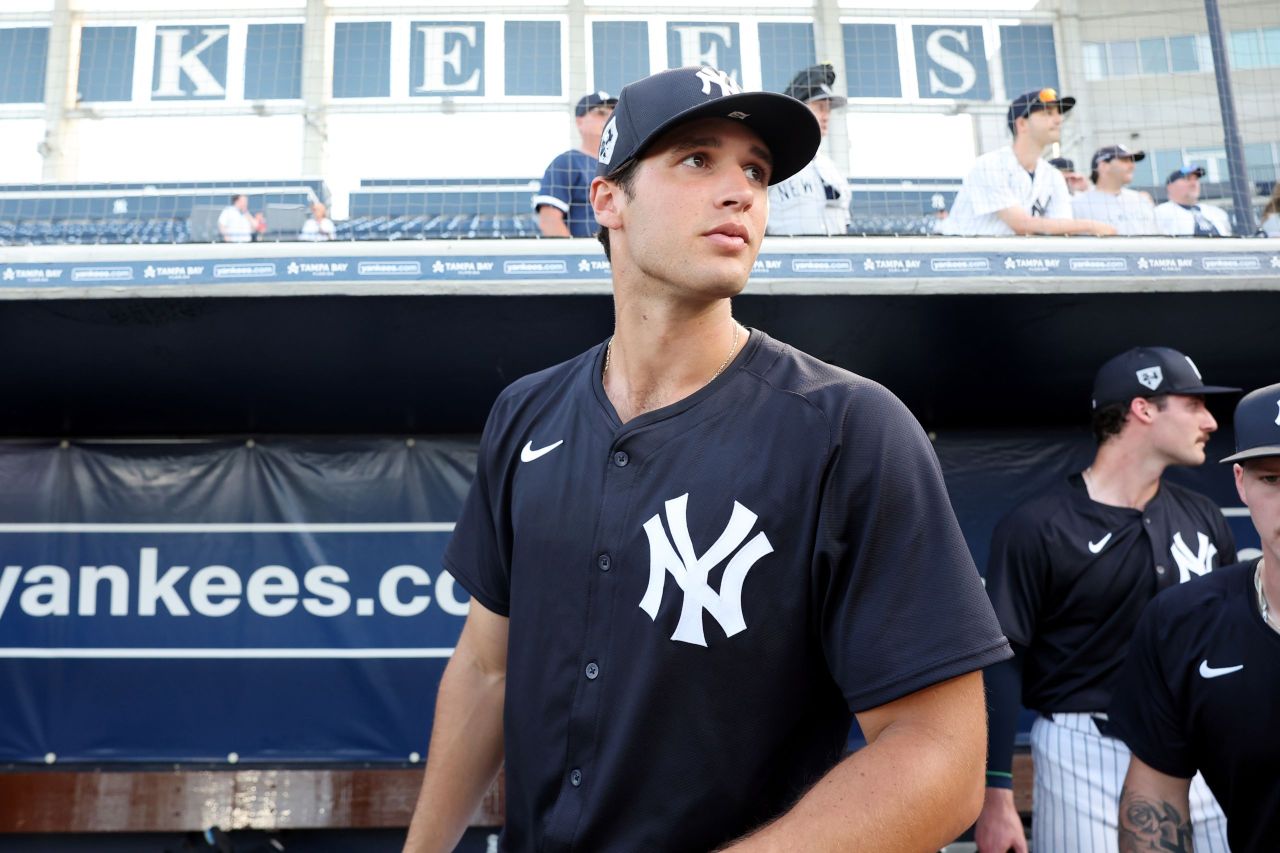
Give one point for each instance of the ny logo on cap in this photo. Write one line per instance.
(715, 77)
(608, 139)
(1151, 377)
(1278, 413)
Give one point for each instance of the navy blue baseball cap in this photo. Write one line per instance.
(1029, 102)
(589, 102)
(814, 84)
(1184, 172)
(1257, 424)
(1150, 372)
(650, 107)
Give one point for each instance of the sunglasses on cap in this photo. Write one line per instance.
(1047, 96)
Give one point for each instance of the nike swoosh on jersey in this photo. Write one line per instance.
(1207, 671)
(1096, 547)
(528, 454)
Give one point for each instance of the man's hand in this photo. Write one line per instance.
(999, 827)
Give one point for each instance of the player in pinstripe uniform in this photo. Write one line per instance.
(1069, 574)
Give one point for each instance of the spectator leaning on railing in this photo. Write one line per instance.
(236, 224)
(319, 227)
(1111, 200)
(1182, 215)
(562, 202)
(1014, 190)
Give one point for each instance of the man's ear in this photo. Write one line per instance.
(607, 200)
(1140, 408)
(1238, 471)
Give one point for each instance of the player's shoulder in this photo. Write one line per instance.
(843, 399)
(998, 162)
(1189, 500)
(547, 386)
(1060, 505)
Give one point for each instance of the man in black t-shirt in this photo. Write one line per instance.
(696, 554)
(1200, 690)
(1070, 572)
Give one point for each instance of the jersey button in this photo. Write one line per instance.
(575, 777)
(1160, 570)
(604, 562)
(621, 459)
(593, 671)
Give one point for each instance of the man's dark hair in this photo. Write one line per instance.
(235, 198)
(624, 178)
(1110, 419)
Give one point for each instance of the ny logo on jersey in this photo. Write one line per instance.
(676, 556)
(1150, 377)
(1193, 564)
(1040, 208)
(715, 77)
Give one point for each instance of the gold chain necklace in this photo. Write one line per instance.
(608, 356)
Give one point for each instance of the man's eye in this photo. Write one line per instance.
(755, 173)
(697, 160)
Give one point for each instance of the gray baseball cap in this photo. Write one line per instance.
(650, 107)
(1257, 424)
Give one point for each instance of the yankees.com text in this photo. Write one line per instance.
(215, 591)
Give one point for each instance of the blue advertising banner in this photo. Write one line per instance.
(283, 601)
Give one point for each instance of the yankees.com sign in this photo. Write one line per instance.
(216, 601)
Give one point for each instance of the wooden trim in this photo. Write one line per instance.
(185, 800)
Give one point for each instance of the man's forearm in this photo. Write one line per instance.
(917, 786)
(464, 756)
(1155, 812)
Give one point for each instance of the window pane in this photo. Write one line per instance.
(1182, 54)
(273, 62)
(106, 64)
(1246, 50)
(23, 56)
(1271, 47)
(362, 59)
(1164, 162)
(1155, 56)
(1205, 53)
(620, 53)
(1144, 173)
(533, 57)
(871, 60)
(1259, 156)
(1030, 57)
(784, 50)
(1124, 58)
(1095, 61)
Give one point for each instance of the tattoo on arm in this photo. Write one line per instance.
(1150, 825)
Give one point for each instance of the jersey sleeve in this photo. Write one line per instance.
(1060, 201)
(1145, 713)
(1017, 575)
(479, 552)
(557, 185)
(900, 603)
(1224, 539)
(989, 188)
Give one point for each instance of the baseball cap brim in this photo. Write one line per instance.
(786, 126)
(1253, 453)
(836, 101)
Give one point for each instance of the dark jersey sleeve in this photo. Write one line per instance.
(1017, 575)
(1224, 539)
(479, 552)
(901, 604)
(1144, 711)
(557, 185)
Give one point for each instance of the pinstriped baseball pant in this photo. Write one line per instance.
(1078, 777)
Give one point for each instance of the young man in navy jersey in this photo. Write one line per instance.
(1069, 574)
(1200, 690)
(696, 555)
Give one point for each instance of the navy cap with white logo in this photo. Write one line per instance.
(589, 102)
(1030, 102)
(1149, 372)
(814, 84)
(1184, 172)
(650, 107)
(1257, 424)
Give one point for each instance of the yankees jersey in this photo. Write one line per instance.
(1198, 220)
(1069, 578)
(698, 598)
(815, 200)
(1201, 691)
(566, 186)
(996, 182)
(1129, 211)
